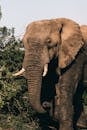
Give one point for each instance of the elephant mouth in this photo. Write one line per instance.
(20, 72)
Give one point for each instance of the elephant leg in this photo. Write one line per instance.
(63, 104)
(82, 121)
(80, 117)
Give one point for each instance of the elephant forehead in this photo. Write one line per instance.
(41, 29)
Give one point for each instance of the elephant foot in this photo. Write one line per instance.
(82, 122)
(65, 128)
(66, 125)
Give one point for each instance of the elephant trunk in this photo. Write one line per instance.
(34, 79)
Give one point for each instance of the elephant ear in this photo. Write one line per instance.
(71, 42)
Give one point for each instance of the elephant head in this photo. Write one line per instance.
(44, 40)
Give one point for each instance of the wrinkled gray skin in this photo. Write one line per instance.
(44, 40)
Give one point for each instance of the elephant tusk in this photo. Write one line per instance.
(45, 70)
(20, 72)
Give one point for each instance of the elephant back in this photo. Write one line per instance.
(84, 32)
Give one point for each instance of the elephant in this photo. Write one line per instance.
(45, 40)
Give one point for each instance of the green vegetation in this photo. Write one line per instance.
(15, 110)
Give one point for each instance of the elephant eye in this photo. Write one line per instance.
(48, 43)
(48, 40)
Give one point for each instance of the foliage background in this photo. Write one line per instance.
(15, 110)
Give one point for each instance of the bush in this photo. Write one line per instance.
(15, 110)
